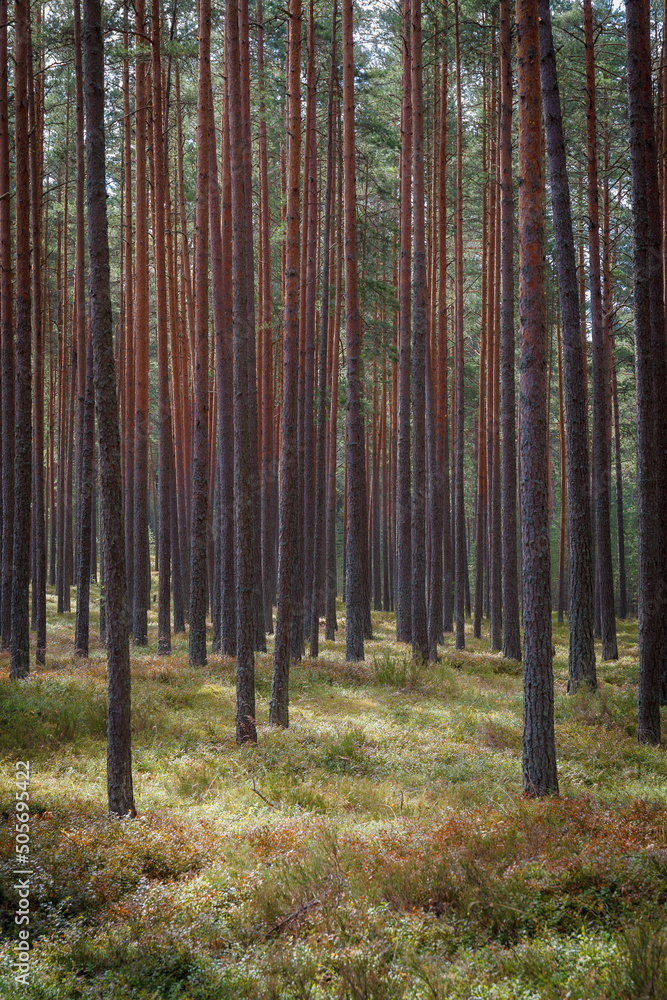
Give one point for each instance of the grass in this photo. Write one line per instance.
(379, 849)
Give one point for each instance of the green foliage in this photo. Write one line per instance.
(378, 848)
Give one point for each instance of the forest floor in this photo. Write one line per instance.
(379, 849)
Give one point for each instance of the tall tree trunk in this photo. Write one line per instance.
(141, 585)
(128, 299)
(403, 498)
(279, 703)
(259, 640)
(267, 457)
(7, 334)
(20, 625)
(539, 752)
(39, 525)
(165, 457)
(601, 369)
(443, 484)
(355, 584)
(581, 663)
(461, 558)
(638, 64)
(85, 400)
(243, 492)
(420, 646)
(119, 755)
(199, 502)
(510, 581)
(321, 451)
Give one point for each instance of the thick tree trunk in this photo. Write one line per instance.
(119, 756)
(539, 752)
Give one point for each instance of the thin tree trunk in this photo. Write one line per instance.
(320, 475)
(20, 625)
(601, 369)
(279, 703)
(165, 447)
(510, 580)
(581, 663)
(243, 329)
(403, 498)
(357, 561)
(461, 558)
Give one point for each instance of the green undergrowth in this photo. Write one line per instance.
(378, 849)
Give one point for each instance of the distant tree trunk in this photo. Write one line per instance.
(39, 525)
(539, 752)
(199, 501)
(443, 484)
(267, 457)
(224, 359)
(20, 639)
(243, 492)
(279, 703)
(461, 559)
(85, 417)
(420, 645)
(320, 476)
(620, 525)
(7, 334)
(563, 482)
(331, 588)
(259, 641)
(119, 755)
(403, 497)
(128, 299)
(510, 580)
(141, 586)
(355, 585)
(601, 369)
(165, 446)
(581, 664)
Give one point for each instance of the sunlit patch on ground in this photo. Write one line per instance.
(379, 848)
